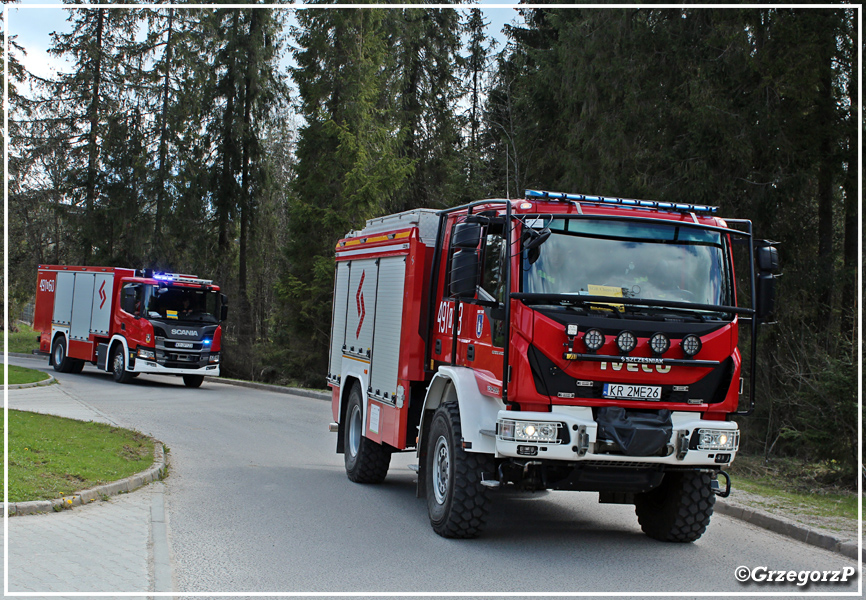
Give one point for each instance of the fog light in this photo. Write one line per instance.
(691, 345)
(521, 431)
(718, 439)
(594, 340)
(626, 341)
(659, 343)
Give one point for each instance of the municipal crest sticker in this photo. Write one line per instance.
(479, 324)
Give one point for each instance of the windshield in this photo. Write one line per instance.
(182, 304)
(629, 259)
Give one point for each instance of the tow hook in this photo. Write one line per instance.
(714, 485)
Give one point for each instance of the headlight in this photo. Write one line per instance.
(146, 354)
(524, 431)
(594, 340)
(659, 343)
(215, 357)
(718, 439)
(691, 344)
(626, 341)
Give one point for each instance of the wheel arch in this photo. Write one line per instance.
(116, 340)
(345, 391)
(57, 334)
(477, 411)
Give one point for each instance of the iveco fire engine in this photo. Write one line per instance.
(129, 322)
(556, 342)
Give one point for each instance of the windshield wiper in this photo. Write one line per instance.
(691, 307)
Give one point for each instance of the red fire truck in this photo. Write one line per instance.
(559, 341)
(129, 322)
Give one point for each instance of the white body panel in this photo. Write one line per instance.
(361, 308)
(478, 413)
(100, 319)
(82, 306)
(63, 298)
(338, 319)
(387, 325)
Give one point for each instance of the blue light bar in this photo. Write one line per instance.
(673, 206)
(178, 278)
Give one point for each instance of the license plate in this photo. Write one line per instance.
(182, 345)
(632, 392)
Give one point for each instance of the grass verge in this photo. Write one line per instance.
(816, 494)
(51, 457)
(23, 340)
(19, 375)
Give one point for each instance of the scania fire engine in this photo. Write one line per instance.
(129, 322)
(555, 342)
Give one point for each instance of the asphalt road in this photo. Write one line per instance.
(257, 501)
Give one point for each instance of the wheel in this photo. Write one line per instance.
(456, 500)
(366, 461)
(118, 365)
(77, 366)
(193, 381)
(62, 363)
(679, 510)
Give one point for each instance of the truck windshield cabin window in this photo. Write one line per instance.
(629, 259)
(182, 304)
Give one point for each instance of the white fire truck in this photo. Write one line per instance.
(559, 341)
(129, 322)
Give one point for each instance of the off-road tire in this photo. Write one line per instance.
(457, 503)
(679, 510)
(365, 460)
(62, 362)
(193, 381)
(118, 365)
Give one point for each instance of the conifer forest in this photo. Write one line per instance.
(240, 144)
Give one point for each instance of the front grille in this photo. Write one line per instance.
(173, 354)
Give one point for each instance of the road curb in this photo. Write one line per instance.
(156, 472)
(787, 528)
(273, 388)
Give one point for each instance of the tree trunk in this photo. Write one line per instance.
(92, 146)
(163, 145)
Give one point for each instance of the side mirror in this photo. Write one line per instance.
(768, 259)
(466, 236)
(464, 273)
(765, 295)
(533, 239)
(224, 307)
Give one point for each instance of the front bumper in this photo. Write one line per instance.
(579, 444)
(149, 366)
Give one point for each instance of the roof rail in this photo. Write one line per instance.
(672, 206)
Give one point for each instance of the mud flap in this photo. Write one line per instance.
(635, 432)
